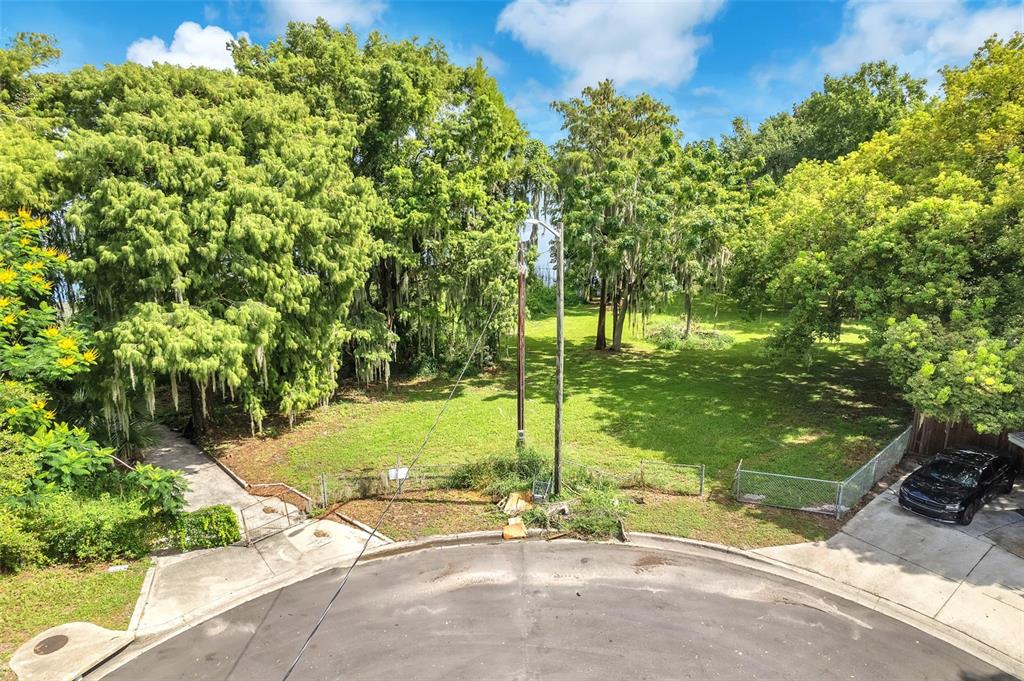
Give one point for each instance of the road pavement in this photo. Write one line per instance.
(562, 610)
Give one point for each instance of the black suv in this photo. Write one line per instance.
(954, 484)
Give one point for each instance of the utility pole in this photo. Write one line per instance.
(559, 343)
(521, 349)
(559, 359)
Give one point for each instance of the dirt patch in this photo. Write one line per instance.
(421, 514)
(648, 562)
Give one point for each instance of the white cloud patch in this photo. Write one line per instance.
(192, 45)
(920, 37)
(336, 12)
(649, 43)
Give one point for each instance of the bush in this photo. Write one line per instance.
(18, 548)
(74, 528)
(672, 337)
(500, 475)
(598, 513)
(541, 299)
(161, 490)
(207, 528)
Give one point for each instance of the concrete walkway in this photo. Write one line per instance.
(209, 484)
(969, 578)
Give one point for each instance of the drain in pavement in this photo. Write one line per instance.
(50, 644)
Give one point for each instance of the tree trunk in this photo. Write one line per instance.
(688, 298)
(197, 426)
(619, 320)
(602, 341)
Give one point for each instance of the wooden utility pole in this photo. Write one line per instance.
(521, 350)
(559, 357)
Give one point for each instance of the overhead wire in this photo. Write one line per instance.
(391, 501)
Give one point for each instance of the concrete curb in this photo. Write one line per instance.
(140, 602)
(694, 548)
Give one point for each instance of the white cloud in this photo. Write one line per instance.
(650, 43)
(336, 12)
(920, 37)
(192, 45)
(210, 13)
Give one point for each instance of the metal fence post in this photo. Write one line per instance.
(642, 485)
(323, 489)
(701, 493)
(736, 480)
(839, 500)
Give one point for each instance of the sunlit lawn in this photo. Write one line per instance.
(709, 407)
(37, 599)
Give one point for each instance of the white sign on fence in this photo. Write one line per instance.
(398, 473)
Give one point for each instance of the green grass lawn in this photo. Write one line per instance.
(710, 407)
(37, 599)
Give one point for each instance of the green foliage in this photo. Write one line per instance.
(617, 195)
(673, 337)
(502, 474)
(830, 123)
(920, 226)
(18, 548)
(67, 457)
(541, 300)
(76, 528)
(453, 170)
(207, 528)
(160, 490)
(217, 230)
(598, 513)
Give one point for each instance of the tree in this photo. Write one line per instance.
(217, 232)
(830, 123)
(451, 165)
(617, 194)
(918, 234)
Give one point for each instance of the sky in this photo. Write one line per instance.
(710, 60)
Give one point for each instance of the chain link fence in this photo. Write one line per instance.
(830, 497)
(672, 478)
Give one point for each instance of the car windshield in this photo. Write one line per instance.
(953, 472)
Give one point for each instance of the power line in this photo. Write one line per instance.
(380, 519)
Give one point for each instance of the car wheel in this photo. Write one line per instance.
(968, 515)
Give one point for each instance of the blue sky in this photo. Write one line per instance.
(711, 60)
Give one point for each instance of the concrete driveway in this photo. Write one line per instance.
(971, 578)
(566, 610)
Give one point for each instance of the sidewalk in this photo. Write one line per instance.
(969, 578)
(209, 484)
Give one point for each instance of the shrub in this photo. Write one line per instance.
(75, 528)
(18, 548)
(598, 513)
(161, 490)
(207, 528)
(672, 337)
(502, 474)
(67, 456)
(541, 299)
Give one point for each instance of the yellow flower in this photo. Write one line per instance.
(9, 320)
(65, 362)
(50, 414)
(7, 276)
(90, 355)
(49, 252)
(24, 241)
(24, 214)
(4, 301)
(37, 279)
(67, 344)
(47, 285)
(12, 410)
(38, 405)
(51, 331)
(62, 257)
(33, 266)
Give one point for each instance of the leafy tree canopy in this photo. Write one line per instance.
(918, 233)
